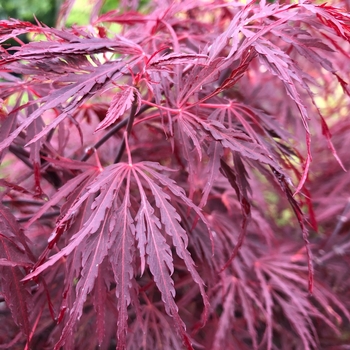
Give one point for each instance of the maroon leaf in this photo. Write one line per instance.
(13, 255)
(210, 112)
(215, 152)
(171, 221)
(300, 216)
(121, 102)
(81, 87)
(159, 259)
(71, 189)
(179, 59)
(238, 180)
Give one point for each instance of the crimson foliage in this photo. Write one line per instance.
(164, 171)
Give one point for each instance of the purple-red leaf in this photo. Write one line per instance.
(121, 102)
(13, 255)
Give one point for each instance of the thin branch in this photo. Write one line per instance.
(343, 218)
(21, 154)
(110, 133)
(22, 202)
(107, 136)
(128, 130)
(44, 216)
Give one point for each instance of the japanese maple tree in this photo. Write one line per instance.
(174, 177)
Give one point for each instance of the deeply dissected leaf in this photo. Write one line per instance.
(159, 257)
(73, 45)
(182, 235)
(69, 189)
(238, 180)
(111, 228)
(13, 255)
(215, 152)
(236, 141)
(300, 216)
(171, 221)
(179, 59)
(122, 101)
(198, 78)
(79, 86)
(96, 249)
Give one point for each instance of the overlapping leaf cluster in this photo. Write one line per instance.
(159, 190)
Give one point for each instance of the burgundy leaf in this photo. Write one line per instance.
(96, 248)
(81, 88)
(300, 216)
(159, 258)
(13, 255)
(215, 152)
(101, 205)
(198, 77)
(121, 102)
(121, 259)
(171, 221)
(67, 190)
(100, 295)
(179, 59)
(75, 45)
(183, 229)
(237, 141)
(237, 178)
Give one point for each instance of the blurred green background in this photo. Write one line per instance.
(47, 11)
